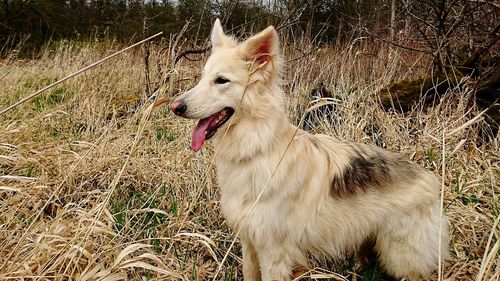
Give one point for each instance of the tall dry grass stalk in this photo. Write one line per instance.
(89, 191)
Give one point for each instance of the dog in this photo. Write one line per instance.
(293, 195)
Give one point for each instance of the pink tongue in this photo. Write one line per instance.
(199, 134)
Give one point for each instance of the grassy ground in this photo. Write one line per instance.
(90, 190)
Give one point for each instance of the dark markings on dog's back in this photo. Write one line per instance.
(363, 172)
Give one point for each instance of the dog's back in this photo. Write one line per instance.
(377, 194)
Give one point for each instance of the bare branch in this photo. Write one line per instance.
(190, 52)
(397, 44)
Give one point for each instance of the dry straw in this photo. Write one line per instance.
(63, 153)
(75, 73)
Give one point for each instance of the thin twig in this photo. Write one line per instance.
(75, 73)
(443, 177)
(161, 79)
(5, 75)
(304, 55)
(189, 52)
(486, 261)
(397, 44)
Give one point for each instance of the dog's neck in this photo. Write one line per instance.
(256, 131)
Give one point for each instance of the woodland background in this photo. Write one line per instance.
(94, 186)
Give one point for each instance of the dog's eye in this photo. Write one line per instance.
(221, 80)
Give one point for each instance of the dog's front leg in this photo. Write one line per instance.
(275, 264)
(251, 269)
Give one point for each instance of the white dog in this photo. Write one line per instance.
(321, 196)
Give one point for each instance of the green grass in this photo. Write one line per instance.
(146, 222)
(165, 134)
(55, 97)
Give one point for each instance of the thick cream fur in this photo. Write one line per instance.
(298, 215)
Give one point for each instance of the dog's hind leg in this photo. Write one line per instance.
(251, 268)
(407, 244)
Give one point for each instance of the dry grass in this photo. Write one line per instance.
(78, 201)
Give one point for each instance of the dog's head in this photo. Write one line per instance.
(230, 72)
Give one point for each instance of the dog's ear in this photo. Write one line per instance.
(262, 47)
(217, 37)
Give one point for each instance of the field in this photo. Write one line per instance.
(93, 185)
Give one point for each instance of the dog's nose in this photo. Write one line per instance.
(178, 107)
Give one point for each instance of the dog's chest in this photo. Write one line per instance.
(241, 185)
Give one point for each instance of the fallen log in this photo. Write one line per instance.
(403, 95)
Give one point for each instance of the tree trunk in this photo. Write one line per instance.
(310, 21)
(407, 17)
(393, 20)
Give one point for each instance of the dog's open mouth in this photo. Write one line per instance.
(206, 128)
